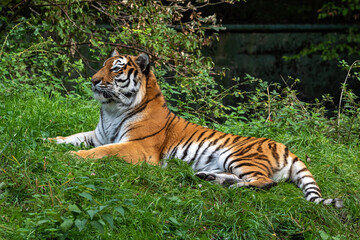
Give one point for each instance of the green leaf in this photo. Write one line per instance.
(129, 202)
(43, 221)
(92, 213)
(324, 235)
(101, 208)
(98, 226)
(86, 195)
(80, 224)
(66, 225)
(120, 210)
(109, 219)
(74, 208)
(174, 221)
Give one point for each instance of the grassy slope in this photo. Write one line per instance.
(46, 193)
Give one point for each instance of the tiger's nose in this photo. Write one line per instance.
(95, 81)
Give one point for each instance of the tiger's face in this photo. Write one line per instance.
(121, 79)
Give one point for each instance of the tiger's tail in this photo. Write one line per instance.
(303, 178)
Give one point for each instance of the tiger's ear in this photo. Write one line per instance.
(144, 63)
(114, 53)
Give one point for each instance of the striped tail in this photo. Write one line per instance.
(303, 178)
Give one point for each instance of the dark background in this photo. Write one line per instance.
(259, 33)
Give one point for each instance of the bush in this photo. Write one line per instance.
(57, 46)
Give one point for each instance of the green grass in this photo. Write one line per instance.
(46, 193)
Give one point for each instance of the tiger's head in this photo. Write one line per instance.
(121, 79)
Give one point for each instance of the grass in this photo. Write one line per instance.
(46, 193)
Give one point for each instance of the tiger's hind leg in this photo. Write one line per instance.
(224, 179)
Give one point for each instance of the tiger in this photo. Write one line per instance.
(136, 125)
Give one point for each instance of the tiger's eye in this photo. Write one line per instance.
(115, 69)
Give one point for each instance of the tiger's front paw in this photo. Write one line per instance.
(58, 139)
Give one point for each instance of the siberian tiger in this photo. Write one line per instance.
(136, 125)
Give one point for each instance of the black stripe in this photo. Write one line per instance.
(226, 159)
(313, 199)
(127, 84)
(199, 147)
(236, 139)
(210, 158)
(259, 148)
(301, 170)
(275, 154)
(250, 156)
(131, 62)
(174, 149)
(307, 184)
(200, 136)
(245, 141)
(121, 80)
(233, 153)
(310, 183)
(135, 74)
(286, 155)
(192, 135)
(245, 150)
(186, 125)
(312, 188)
(168, 114)
(226, 142)
(256, 173)
(136, 81)
(102, 124)
(211, 135)
(128, 130)
(188, 144)
(253, 164)
(221, 137)
(163, 145)
(298, 181)
(245, 164)
(264, 158)
(90, 142)
(311, 192)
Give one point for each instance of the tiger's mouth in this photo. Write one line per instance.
(103, 93)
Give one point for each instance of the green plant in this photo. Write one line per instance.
(56, 46)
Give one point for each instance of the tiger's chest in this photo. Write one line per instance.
(114, 127)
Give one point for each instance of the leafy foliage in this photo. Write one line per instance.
(65, 42)
(337, 46)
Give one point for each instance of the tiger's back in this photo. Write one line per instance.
(136, 125)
